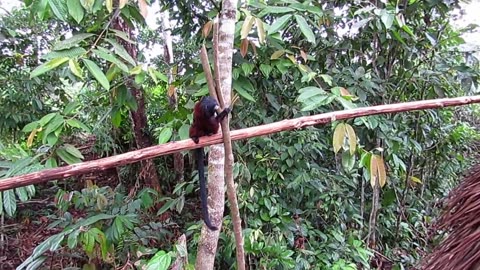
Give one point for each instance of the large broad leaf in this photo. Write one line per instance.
(305, 28)
(279, 24)
(70, 42)
(9, 202)
(120, 50)
(247, 26)
(338, 137)
(40, 8)
(75, 10)
(48, 66)
(97, 73)
(70, 53)
(88, 4)
(66, 156)
(242, 87)
(59, 8)
(160, 261)
(165, 135)
(105, 54)
(377, 171)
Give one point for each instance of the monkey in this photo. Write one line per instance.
(206, 122)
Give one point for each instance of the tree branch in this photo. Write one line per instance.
(173, 147)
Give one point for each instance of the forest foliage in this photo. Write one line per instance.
(306, 196)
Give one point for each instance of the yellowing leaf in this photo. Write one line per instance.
(415, 179)
(247, 26)
(122, 3)
(31, 137)
(304, 55)
(136, 70)
(261, 30)
(143, 8)
(277, 54)
(377, 171)
(109, 5)
(207, 28)
(75, 68)
(352, 138)
(344, 92)
(244, 47)
(292, 58)
(338, 137)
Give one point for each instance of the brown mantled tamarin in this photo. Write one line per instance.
(206, 121)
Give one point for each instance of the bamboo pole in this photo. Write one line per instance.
(172, 147)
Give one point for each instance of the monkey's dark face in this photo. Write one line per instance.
(209, 106)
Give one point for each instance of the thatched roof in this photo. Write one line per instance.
(461, 221)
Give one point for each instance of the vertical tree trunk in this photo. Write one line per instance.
(216, 174)
(139, 118)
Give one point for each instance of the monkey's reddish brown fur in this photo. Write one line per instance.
(205, 119)
(206, 122)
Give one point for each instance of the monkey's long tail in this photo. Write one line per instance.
(203, 188)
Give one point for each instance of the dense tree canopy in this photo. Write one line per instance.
(356, 194)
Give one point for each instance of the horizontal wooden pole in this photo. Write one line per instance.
(172, 147)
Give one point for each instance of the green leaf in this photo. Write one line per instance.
(70, 42)
(106, 55)
(70, 107)
(75, 68)
(77, 124)
(56, 122)
(122, 35)
(279, 24)
(242, 87)
(67, 157)
(40, 8)
(116, 116)
(309, 92)
(51, 139)
(59, 8)
(387, 18)
(30, 126)
(44, 120)
(51, 163)
(97, 73)
(72, 150)
(183, 132)
(87, 4)
(73, 239)
(266, 70)
(151, 72)
(277, 10)
(316, 101)
(120, 50)
(75, 10)
(70, 53)
(22, 194)
(165, 135)
(9, 202)
(161, 261)
(48, 66)
(306, 30)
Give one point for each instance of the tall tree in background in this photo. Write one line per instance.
(139, 118)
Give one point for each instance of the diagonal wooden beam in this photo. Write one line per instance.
(172, 147)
